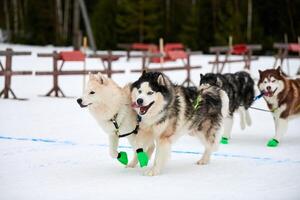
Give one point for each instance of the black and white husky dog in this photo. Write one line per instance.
(171, 111)
(239, 87)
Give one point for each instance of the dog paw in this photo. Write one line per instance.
(243, 125)
(131, 165)
(203, 161)
(151, 172)
(272, 143)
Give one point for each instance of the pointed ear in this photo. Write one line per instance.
(144, 72)
(280, 72)
(259, 71)
(201, 76)
(91, 76)
(127, 89)
(161, 80)
(101, 78)
(278, 69)
(219, 82)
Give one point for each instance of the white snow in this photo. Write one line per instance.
(52, 149)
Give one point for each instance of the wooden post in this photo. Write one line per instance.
(286, 53)
(8, 73)
(109, 61)
(161, 49)
(8, 64)
(299, 45)
(229, 53)
(188, 80)
(144, 60)
(56, 89)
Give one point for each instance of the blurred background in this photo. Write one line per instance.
(197, 24)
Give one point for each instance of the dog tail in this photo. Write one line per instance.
(225, 103)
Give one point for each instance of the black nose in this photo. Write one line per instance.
(268, 87)
(79, 101)
(140, 101)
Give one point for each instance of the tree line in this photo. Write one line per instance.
(196, 23)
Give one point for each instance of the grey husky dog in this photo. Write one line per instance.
(168, 111)
(240, 89)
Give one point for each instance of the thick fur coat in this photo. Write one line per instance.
(239, 87)
(282, 95)
(169, 111)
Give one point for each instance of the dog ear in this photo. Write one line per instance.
(101, 78)
(280, 72)
(259, 71)
(278, 69)
(161, 80)
(201, 76)
(91, 76)
(144, 72)
(219, 82)
(127, 89)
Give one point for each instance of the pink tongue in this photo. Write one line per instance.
(134, 105)
(269, 94)
(143, 109)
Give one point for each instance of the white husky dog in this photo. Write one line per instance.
(110, 105)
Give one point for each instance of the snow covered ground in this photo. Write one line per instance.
(52, 149)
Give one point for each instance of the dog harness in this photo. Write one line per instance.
(117, 127)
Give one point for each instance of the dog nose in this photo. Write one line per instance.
(140, 101)
(79, 101)
(268, 87)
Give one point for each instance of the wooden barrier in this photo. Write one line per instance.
(8, 73)
(246, 50)
(283, 53)
(57, 72)
(108, 58)
(136, 47)
(187, 66)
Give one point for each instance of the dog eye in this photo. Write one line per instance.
(265, 81)
(149, 93)
(273, 81)
(140, 91)
(92, 92)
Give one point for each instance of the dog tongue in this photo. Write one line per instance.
(134, 105)
(269, 94)
(143, 109)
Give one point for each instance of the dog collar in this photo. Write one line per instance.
(115, 123)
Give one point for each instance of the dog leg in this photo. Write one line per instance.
(133, 162)
(150, 150)
(208, 150)
(242, 113)
(281, 126)
(206, 155)
(248, 118)
(227, 127)
(209, 140)
(113, 145)
(163, 151)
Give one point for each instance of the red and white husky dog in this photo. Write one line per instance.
(283, 98)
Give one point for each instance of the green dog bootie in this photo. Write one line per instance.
(122, 157)
(142, 157)
(273, 143)
(224, 140)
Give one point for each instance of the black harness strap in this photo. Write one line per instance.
(135, 131)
